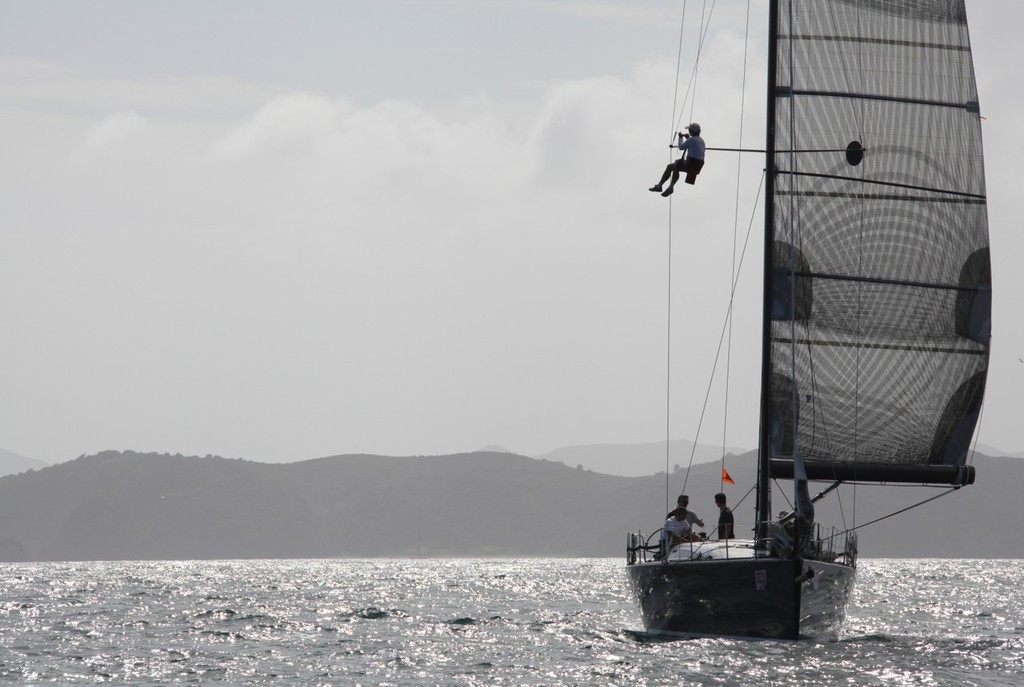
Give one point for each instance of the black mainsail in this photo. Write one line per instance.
(877, 305)
(878, 286)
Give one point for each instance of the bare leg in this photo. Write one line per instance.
(668, 172)
(670, 169)
(671, 186)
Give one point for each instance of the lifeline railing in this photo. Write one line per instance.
(828, 544)
(649, 548)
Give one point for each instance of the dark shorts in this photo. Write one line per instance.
(691, 168)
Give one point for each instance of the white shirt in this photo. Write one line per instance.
(693, 147)
(691, 517)
(678, 528)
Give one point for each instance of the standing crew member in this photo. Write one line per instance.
(725, 519)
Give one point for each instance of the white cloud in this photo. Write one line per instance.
(118, 132)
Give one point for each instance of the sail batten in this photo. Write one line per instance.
(968, 106)
(891, 42)
(912, 348)
(880, 280)
(961, 198)
(879, 182)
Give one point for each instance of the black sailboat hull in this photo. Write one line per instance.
(766, 598)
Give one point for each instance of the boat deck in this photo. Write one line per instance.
(725, 549)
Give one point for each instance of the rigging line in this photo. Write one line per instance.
(762, 151)
(735, 231)
(737, 150)
(693, 72)
(696, 61)
(858, 107)
(740, 502)
(817, 410)
(799, 473)
(847, 71)
(728, 314)
(902, 510)
(816, 150)
(704, 28)
(668, 336)
(977, 432)
(744, 497)
(679, 63)
(817, 413)
(790, 508)
(668, 363)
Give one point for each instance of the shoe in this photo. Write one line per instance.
(667, 192)
(656, 188)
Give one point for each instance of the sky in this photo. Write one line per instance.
(285, 230)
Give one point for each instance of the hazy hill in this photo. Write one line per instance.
(636, 460)
(146, 506)
(12, 463)
(990, 451)
(128, 505)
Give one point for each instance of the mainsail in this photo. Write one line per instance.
(878, 286)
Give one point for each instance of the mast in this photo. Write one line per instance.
(763, 505)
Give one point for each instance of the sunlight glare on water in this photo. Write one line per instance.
(476, 622)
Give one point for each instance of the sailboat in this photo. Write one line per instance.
(876, 308)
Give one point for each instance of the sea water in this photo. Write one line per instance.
(477, 622)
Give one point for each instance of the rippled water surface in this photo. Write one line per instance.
(477, 622)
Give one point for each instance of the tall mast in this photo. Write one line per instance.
(763, 506)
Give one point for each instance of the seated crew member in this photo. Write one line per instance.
(678, 530)
(690, 162)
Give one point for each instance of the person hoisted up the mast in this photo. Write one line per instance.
(690, 162)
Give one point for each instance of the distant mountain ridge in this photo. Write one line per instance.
(12, 463)
(126, 505)
(638, 460)
(628, 460)
(989, 451)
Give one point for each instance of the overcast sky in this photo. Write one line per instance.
(284, 230)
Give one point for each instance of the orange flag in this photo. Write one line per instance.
(726, 478)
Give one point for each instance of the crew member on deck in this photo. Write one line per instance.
(678, 530)
(683, 503)
(725, 519)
